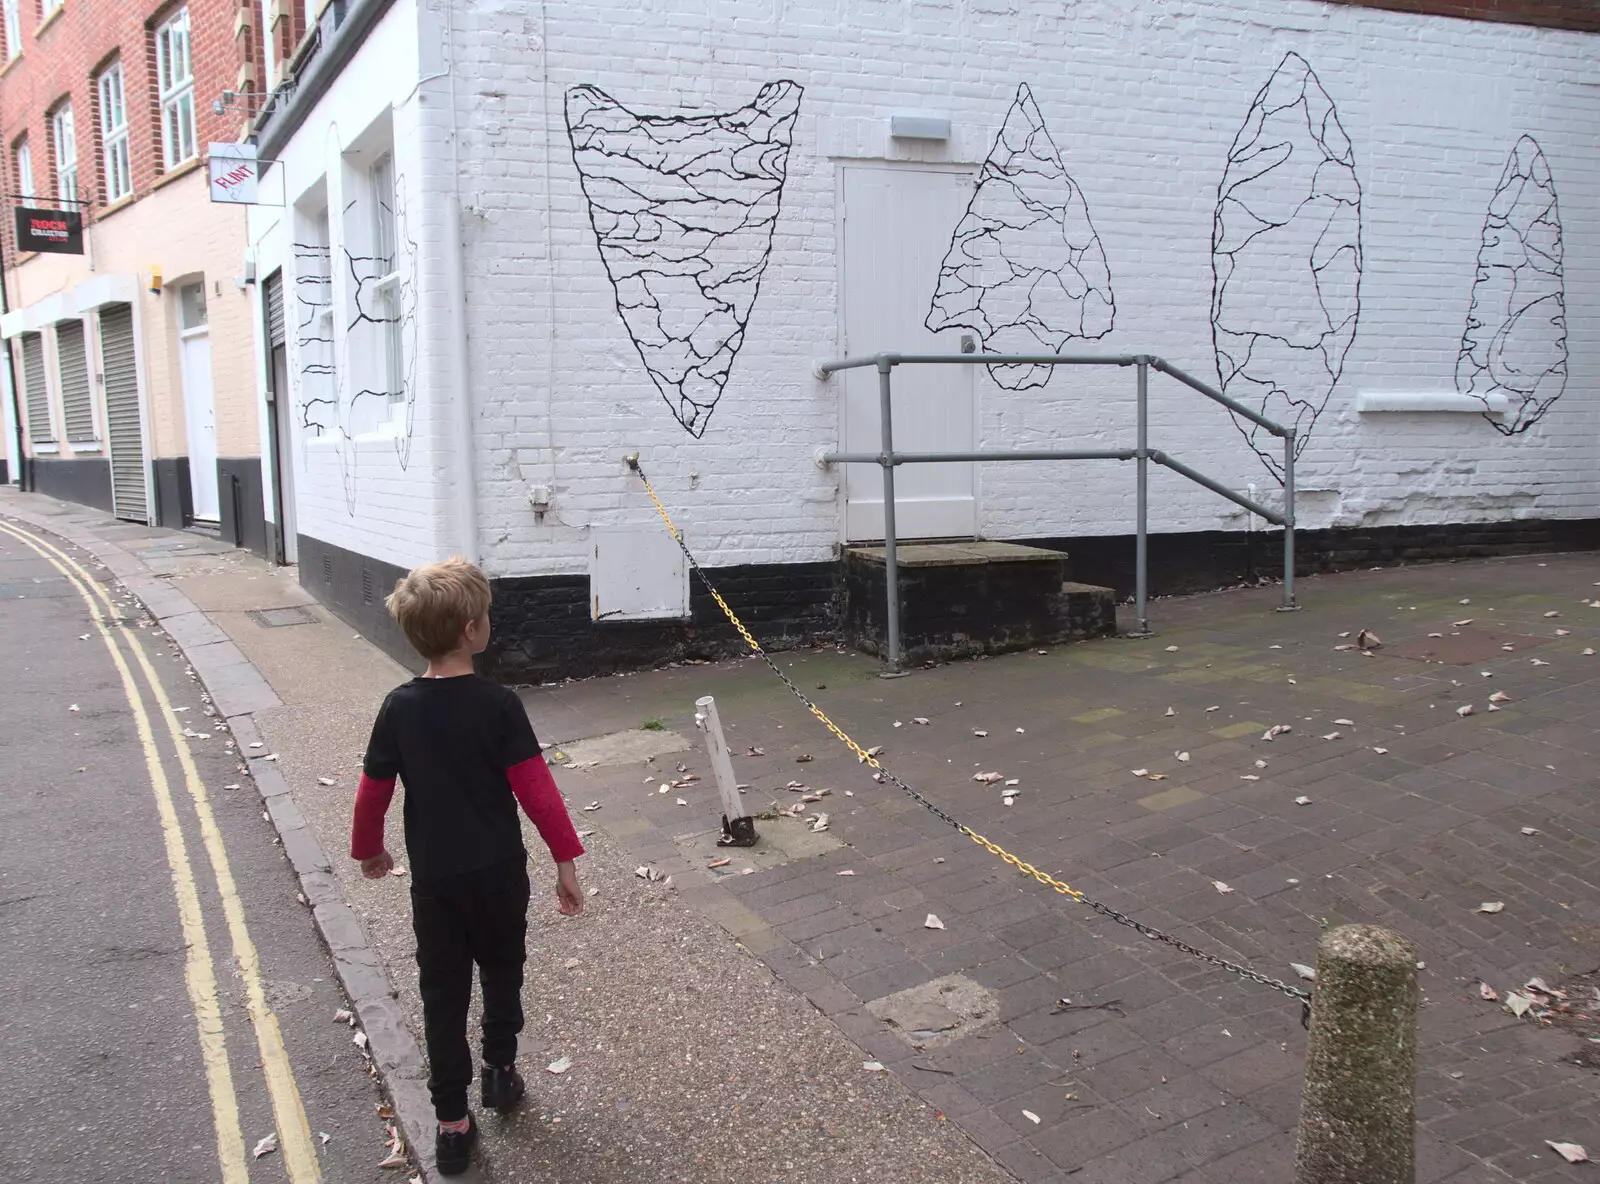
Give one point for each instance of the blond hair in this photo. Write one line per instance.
(434, 603)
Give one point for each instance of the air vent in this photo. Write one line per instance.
(366, 584)
(327, 569)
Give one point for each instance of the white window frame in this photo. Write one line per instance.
(64, 142)
(175, 90)
(116, 165)
(48, 8)
(386, 248)
(22, 161)
(13, 20)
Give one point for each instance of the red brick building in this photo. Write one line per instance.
(133, 359)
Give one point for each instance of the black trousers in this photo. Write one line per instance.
(479, 917)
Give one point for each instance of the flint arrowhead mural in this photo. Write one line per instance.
(1515, 343)
(1286, 258)
(1025, 269)
(683, 208)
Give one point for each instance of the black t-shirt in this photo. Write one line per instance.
(450, 741)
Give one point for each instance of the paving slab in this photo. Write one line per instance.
(1382, 803)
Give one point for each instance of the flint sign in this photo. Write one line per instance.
(56, 232)
(235, 178)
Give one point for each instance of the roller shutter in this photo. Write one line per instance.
(73, 360)
(119, 362)
(33, 385)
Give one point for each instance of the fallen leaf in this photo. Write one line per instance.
(988, 778)
(234, 785)
(1248, 777)
(1261, 764)
(1368, 640)
(1014, 781)
(754, 751)
(1485, 991)
(271, 756)
(719, 863)
(594, 892)
(1276, 730)
(1530, 830)
(1380, 751)
(1182, 756)
(819, 823)
(1345, 723)
(1222, 888)
(1563, 632)
(1346, 633)
(397, 871)
(1466, 600)
(1589, 653)
(342, 1017)
(979, 732)
(360, 1041)
(326, 781)
(1491, 906)
(1552, 614)
(1464, 710)
(1215, 707)
(592, 806)
(899, 724)
(584, 834)
(803, 758)
(1031, 1117)
(1345, 646)
(875, 750)
(1302, 800)
(571, 964)
(1571, 1152)
(395, 1159)
(253, 744)
(748, 871)
(1170, 711)
(559, 1066)
(267, 1146)
(1538, 661)
(1171, 649)
(1518, 1004)
(920, 719)
(1333, 736)
(933, 922)
(1020, 732)
(1499, 697)
(681, 801)
(324, 1137)
(846, 872)
(85, 637)
(1461, 624)
(872, 1066)
(1306, 972)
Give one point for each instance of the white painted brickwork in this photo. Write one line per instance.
(1143, 99)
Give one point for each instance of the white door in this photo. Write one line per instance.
(897, 227)
(194, 347)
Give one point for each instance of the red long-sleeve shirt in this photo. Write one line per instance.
(531, 784)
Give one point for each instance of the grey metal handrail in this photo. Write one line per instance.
(1142, 454)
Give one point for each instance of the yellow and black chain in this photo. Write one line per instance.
(989, 845)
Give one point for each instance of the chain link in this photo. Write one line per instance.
(867, 758)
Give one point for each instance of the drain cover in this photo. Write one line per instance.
(277, 618)
(1463, 647)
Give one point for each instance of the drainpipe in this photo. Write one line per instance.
(456, 293)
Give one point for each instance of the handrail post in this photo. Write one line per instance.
(891, 565)
(1288, 605)
(1141, 544)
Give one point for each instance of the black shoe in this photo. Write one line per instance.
(454, 1151)
(502, 1088)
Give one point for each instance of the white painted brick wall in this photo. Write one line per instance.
(1143, 99)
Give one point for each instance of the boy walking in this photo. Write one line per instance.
(468, 756)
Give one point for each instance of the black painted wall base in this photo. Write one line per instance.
(542, 630)
(353, 586)
(241, 508)
(1205, 560)
(85, 480)
(174, 506)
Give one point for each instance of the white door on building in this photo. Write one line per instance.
(200, 414)
(898, 221)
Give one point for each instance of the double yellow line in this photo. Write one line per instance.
(293, 1128)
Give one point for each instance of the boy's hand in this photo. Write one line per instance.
(569, 897)
(378, 866)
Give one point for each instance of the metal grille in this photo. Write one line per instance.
(272, 293)
(73, 361)
(118, 361)
(39, 428)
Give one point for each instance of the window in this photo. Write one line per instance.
(24, 163)
(13, 21)
(175, 81)
(65, 142)
(384, 248)
(114, 135)
(47, 8)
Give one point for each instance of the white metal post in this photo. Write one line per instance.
(738, 828)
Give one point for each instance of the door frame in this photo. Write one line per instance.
(968, 170)
(278, 404)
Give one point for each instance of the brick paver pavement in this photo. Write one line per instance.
(1416, 815)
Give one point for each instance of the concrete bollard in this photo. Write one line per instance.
(1358, 1113)
(738, 828)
